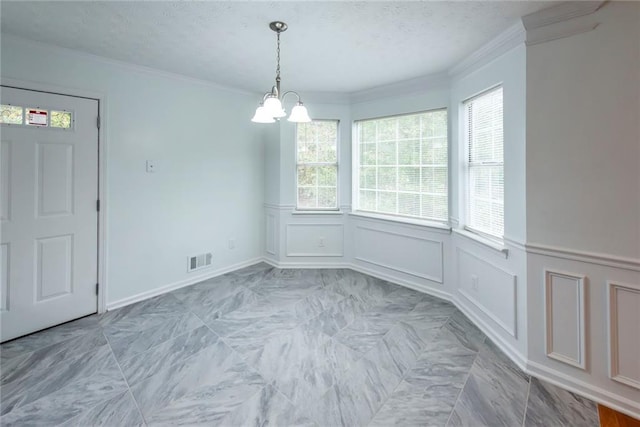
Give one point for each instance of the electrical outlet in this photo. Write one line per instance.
(321, 242)
(474, 282)
(232, 243)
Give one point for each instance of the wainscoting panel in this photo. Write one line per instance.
(315, 240)
(624, 333)
(491, 289)
(271, 231)
(565, 324)
(413, 255)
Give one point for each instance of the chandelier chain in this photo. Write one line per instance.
(278, 57)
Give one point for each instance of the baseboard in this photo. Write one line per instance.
(597, 394)
(506, 348)
(406, 283)
(305, 264)
(181, 284)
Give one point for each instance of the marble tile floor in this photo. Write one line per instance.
(265, 346)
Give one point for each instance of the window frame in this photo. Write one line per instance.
(466, 183)
(337, 165)
(355, 175)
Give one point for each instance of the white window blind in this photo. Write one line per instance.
(317, 160)
(484, 118)
(401, 165)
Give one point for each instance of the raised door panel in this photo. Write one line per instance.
(55, 179)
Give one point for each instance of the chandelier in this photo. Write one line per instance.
(271, 108)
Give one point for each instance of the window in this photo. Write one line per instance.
(36, 117)
(317, 171)
(401, 165)
(60, 119)
(485, 163)
(11, 114)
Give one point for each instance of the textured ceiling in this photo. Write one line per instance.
(330, 46)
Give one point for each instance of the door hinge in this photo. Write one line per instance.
(98, 122)
(97, 288)
(98, 205)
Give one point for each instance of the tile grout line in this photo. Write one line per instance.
(403, 376)
(526, 402)
(153, 346)
(125, 380)
(463, 386)
(267, 383)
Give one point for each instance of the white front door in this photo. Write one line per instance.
(49, 189)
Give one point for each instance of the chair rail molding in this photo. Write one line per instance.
(606, 260)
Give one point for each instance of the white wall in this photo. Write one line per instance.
(583, 150)
(498, 301)
(583, 198)
(208, 186)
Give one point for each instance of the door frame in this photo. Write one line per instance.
(101, 98)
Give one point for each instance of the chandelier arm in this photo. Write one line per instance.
(292, 92)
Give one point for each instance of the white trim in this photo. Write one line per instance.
(181, 284)
(579, 279)
(102, 170)
(412, 273)
(547, 34)
(421, 84)
(479, 240)
(607, 260)
(332, 212)
(402, 282)
(562, 12)
(597, 394)
(504, 42)
(612, 309)
(498, 340)
(268, 249)
(279, 207)
(514, 243)
(430, 225)
(513, 330)
(306, 264)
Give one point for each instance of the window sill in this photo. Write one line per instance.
(310, 212)
(399, 220)
(495, 245)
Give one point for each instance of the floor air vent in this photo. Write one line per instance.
(198, 262)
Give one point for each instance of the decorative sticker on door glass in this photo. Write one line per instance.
(61, 119)
(36, 117)
(10, 114)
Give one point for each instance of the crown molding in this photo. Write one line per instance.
(338, 98)
(560, 13)
(558, 31)
(405, 87)
(504, 42)
(564, 20)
